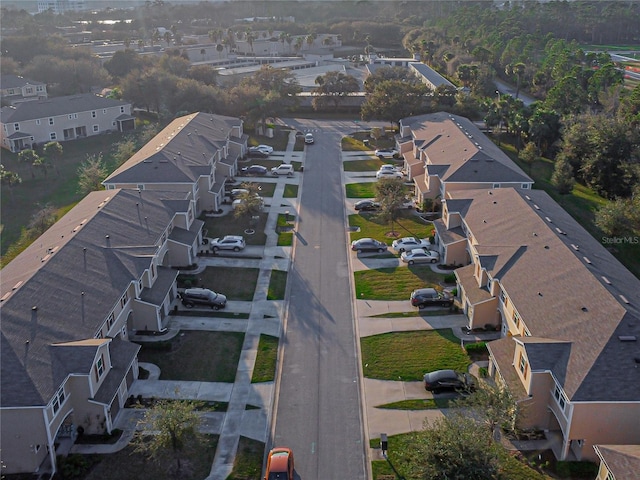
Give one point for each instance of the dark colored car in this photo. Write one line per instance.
(368, 245)
(441, 380)
(425, 297)
(280, 464)
(203, 296)
(257, 153)
(366, 205)
(254, 170)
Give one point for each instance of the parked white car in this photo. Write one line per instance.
(308, 138)
(388, 174)
(228, 242)
(386, 153)
(420, 255)
(409, 243)
(283, 169)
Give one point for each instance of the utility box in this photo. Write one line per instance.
(384, 445)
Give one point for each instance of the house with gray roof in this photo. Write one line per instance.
(15, 89)
(195, 153)
(62, 119)
(443, 152)
(69, 304)
(618, 462)
(567, 310)
(429, 76)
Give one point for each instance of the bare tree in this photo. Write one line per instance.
(91, 173)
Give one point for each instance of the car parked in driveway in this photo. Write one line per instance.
(228, 242)
(409, 243)
(283, 169)
(368, 245)
(280, 465)
(264, 148)
(383, 153)
(308, 138)
(419, 255)
(428, 297)
(254, 170)
(257, 153)
(366, 205)
(386, 173)
(203, 296)
(440, 380)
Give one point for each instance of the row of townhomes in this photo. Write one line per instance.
(567, 309)
(31, 123)
(70, 301)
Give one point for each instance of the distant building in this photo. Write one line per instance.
(61, 6)
(15, 89)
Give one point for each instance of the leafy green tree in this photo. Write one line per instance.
(124, 150)
(529, 155)
(629, 111)
(567, 96)
(562, 177)
(544, 128)
(494, 406)
(451, 447)
(53, 151)
(251, 203)
(43, 164)
(393, 100)
(333, 87)
(166, 428)
(123, 62)
(384, 74)
(27, 156)
(391, 193)
(9, 179)
(91, 173)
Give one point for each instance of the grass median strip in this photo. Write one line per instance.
(369, 165)
(408, 356)
(360, 190)
(277, 285)
(264, 369)
(417, 404)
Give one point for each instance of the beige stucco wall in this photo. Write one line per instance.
(21, 431)
(456, 253)
(145, 316)
(535, 412)
(484, 313)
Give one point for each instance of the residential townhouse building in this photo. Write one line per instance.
(444, 153)
(15, 89)
(69, 304)
(195, 153)
(62, 119)
(567, 309)
(618, 462)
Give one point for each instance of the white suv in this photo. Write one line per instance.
(229, 242)
(284, 169)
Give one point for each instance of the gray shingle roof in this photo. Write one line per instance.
(180, 153)
(456, 142)
(73, 276)
(122, 355)
(431, 75)
(56, 106)
(557, 293)
(623, 461)
(15, 81)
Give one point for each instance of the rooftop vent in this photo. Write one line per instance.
(624, 299)
(536, 206)
(548, 219)
(575, 247)
(587, 260)
(627, 338)
(527, 197)
(606, 280)
(560, 231)
(584, 309)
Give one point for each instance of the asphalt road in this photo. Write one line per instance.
(319, 411)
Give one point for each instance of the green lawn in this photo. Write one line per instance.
(218, 362)
(277, 285)
(394, 283)
(407, 356)
(264, 369)
(408, 225)
(196, 457)
(361, 190)
(370, 165)
(230, 225)
(247, 464)
(351, 144)
(290, 191)
(235, 283)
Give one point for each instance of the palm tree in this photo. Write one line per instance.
(203, 52)
(518, 70)
(219, 49)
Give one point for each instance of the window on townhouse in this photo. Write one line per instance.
(503, 297)
(96, 128)
(516, 319)
(121, 109)
(70, 116)
(140, 285)
(489, 284)
(11, 91)
(610, 476)
(124, 299)
(98, 368)
(153, 270)
(37, 121)
(93, 114)
(104, 111)
(39, 88)
(140, 186)
(496, 185)
(29, 90)
(525, 186)
(52, 136)
(16, 127)
(58, 400)
(560, 398)
(110, 320)
(51, 121)
(523, 364)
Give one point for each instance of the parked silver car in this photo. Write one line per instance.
(419, 255)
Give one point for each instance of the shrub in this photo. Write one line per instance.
(576, 469)
(479, 347)
(483, 372)
(450, 278)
